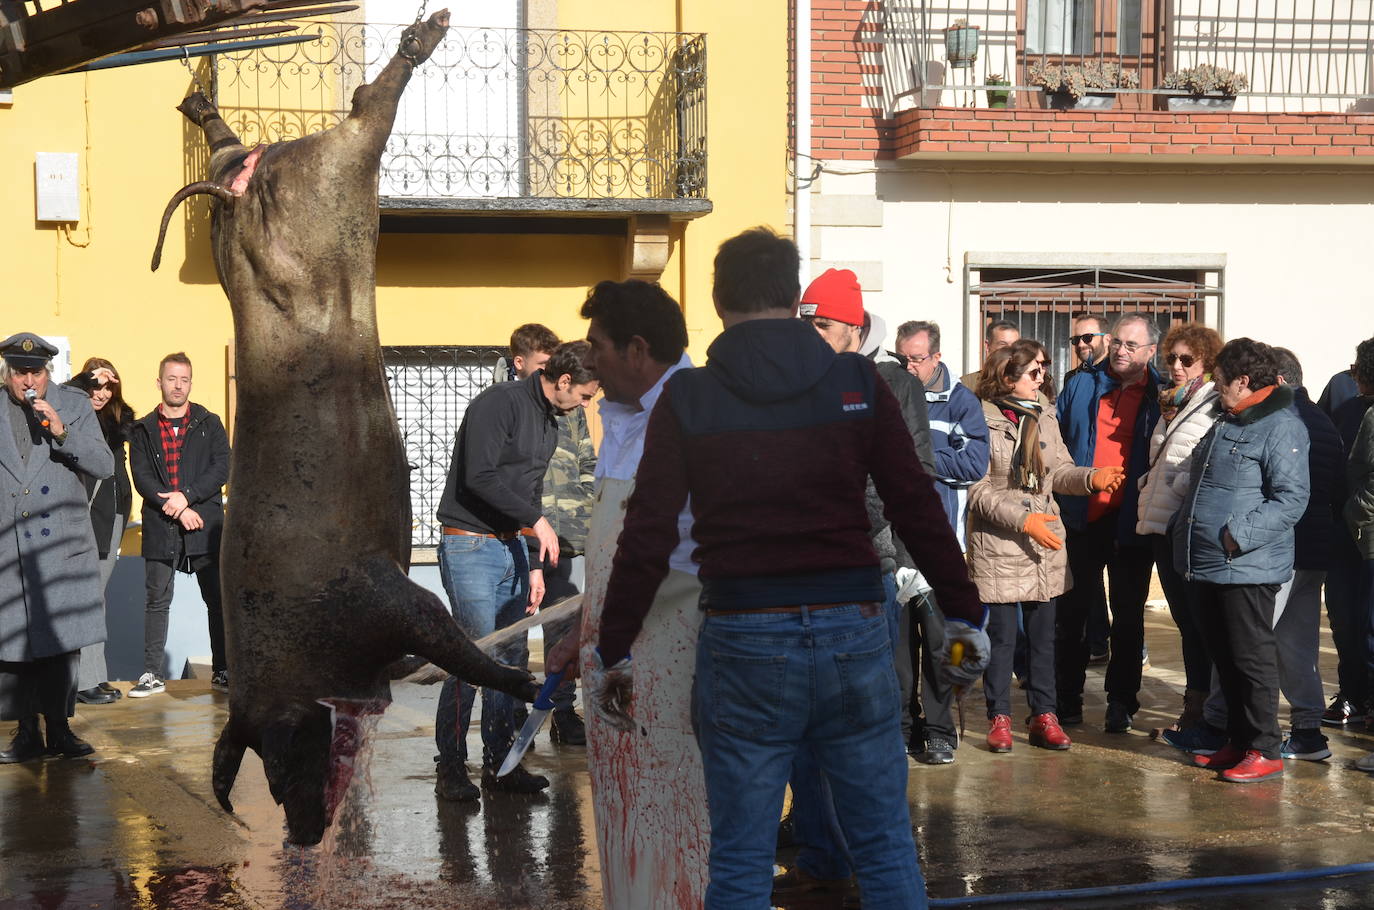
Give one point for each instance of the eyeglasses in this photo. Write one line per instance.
(1037, 371)
(1186, 359)
(1130, 346)
(910, 360)
(1085, 338)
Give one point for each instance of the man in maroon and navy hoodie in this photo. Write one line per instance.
(774, 441)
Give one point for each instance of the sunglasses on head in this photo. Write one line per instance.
(1186, 359)
(1085, 338)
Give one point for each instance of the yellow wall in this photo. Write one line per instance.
(136, 151)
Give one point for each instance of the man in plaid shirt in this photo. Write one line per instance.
(180, 459)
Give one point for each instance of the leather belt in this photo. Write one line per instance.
(867, 609)
(500, 535)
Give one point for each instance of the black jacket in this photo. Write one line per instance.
(1315, 531)
(114, 495)
(496, 478)
(911, 395)
(203, 473)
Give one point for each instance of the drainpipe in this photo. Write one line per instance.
(801, 164)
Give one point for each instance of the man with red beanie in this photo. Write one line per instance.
(774, 441)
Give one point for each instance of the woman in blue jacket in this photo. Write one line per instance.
(1233, 544)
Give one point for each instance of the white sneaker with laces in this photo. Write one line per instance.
(1365, 763)
(148, 684)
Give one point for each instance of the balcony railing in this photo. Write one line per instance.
(497, 113)
(1298, 55)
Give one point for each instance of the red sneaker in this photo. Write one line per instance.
(999, 734)
(1046, 733)
(1228, 756)
(1253, 767)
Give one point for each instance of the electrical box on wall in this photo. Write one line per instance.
(55, 174)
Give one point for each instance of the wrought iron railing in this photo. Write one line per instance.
(1297, 55)
(497, 112)
(431, 387)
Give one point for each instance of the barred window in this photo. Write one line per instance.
(1042, 302)
(430, 388)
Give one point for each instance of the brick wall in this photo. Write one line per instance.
(846, 114)
(931, 131)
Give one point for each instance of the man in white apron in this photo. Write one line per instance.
(648, 796)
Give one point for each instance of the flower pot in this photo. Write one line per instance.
(998, 98)
(961, 46)
(1063, 101)
(1201, 103)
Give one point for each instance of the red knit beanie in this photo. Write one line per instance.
(835, 295)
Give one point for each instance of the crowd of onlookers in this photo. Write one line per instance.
(68, 471)
(1203, 460)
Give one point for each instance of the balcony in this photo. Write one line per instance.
(1308, 63)
(515, 122)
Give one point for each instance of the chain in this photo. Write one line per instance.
(186, 62)
(420, 13)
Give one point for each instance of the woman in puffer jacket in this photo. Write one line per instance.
(1233, 543)
(1187, 410)
(1015, 544)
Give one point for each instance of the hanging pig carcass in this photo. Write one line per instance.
(317, 603)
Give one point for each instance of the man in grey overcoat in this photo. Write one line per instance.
(50, 593)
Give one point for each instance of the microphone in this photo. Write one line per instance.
(30, 396)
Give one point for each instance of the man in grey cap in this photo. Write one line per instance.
(50, 594)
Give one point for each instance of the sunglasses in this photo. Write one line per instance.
(1186, 359)
(1037, 372)
(1085, 338)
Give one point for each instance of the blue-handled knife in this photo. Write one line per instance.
(543, 704)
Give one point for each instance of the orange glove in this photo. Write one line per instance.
(1037, 526)
(1106, 480)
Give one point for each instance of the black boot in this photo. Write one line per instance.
(452, 783)
(568, 729)
(63, 742)
(26, 745)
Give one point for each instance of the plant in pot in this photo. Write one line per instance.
(997, 98)
(1209, 88)
(961, 44)
(1081, 86)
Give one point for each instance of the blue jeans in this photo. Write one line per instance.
(488, 585)
(815, 825)
(770, 684)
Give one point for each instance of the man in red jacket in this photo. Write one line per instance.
(774, 440)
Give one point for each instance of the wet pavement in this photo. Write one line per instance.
(138, 827)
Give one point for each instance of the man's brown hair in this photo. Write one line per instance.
(178, 357)
(531, 338)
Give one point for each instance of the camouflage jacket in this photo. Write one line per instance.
(568, 485)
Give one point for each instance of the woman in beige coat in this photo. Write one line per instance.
(1016, 554)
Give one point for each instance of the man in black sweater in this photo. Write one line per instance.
(495, 544)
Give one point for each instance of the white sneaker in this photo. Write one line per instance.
(1366, 763)
(148, 684)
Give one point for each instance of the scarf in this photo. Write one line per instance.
(1254, 398)
(1027, 459)
(1173, 400)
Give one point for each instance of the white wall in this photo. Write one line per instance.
(1299, 271)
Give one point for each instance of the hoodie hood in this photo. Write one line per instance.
(768, 360)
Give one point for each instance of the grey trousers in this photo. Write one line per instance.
(1297, 628)
(93, 671)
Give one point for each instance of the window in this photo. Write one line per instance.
(1042, 301)
(430, 389)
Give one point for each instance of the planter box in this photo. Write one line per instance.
(1063, 101)
(998, 98)
(961, 46)
(1200, 103)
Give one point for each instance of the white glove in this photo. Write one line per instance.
(611, 691)
(910, 583)
(976, 648)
